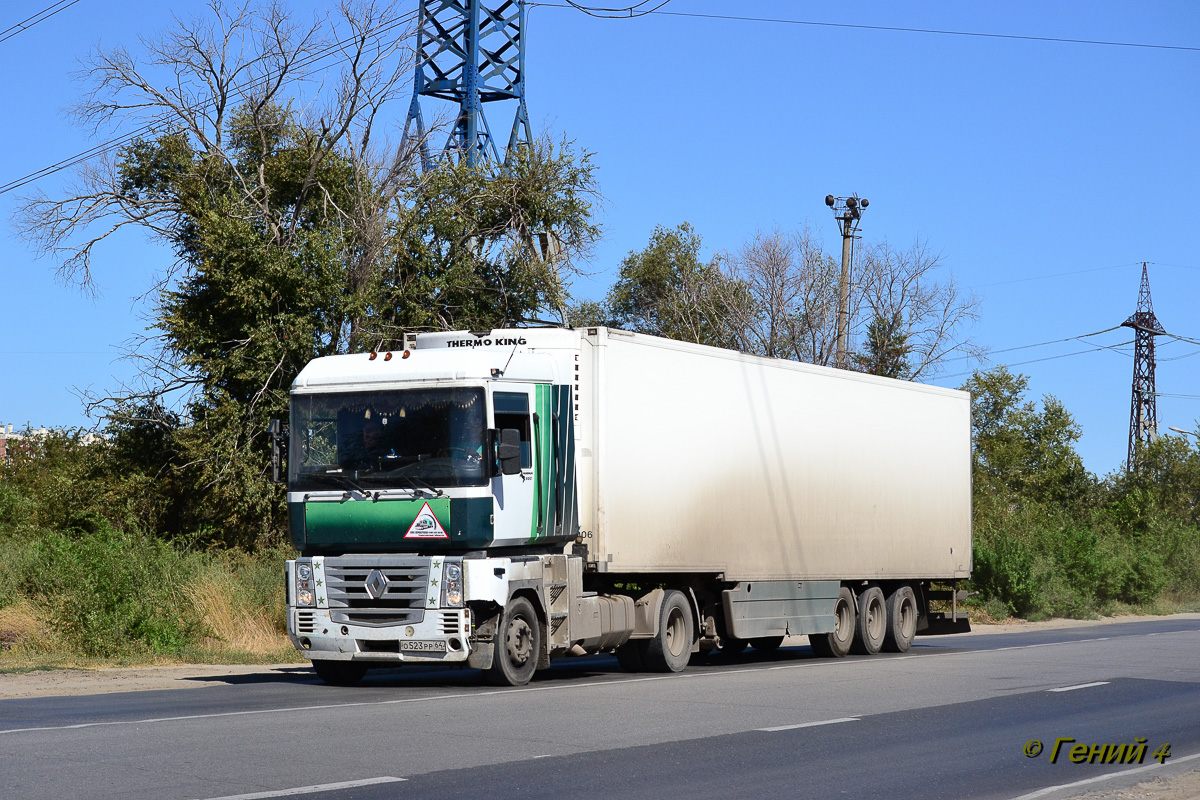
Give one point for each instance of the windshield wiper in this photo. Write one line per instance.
(421, 485)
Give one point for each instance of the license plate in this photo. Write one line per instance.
(422, 645)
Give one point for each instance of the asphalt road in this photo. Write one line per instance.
(949, 719)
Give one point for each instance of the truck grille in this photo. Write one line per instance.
(398, 601)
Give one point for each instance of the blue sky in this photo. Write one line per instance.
(1043, 172)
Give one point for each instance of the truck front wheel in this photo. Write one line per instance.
(837, 644)
(671, 649)
(518, 645)
(339, 673)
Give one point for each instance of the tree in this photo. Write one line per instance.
(666, 290)
(296, 234)
(782, 297)
(1023, 454)
(887, 349)
(900, 287)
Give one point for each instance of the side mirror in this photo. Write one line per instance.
(279, 434)
(508, 451)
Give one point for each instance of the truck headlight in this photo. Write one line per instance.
(304, 583)
(452, 587)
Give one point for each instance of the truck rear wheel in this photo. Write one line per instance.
(339, 673)
(518, 645)
(872, 622)
(837, 644)
(901, 620)
(671, 649)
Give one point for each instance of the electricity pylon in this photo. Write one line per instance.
(469, 52)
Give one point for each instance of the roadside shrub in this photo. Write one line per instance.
(1004, 572)
(109, 592)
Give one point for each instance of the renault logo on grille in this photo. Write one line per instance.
(376, 584)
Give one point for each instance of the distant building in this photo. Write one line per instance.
(10, 439)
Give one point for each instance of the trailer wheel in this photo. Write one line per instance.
(671, 649)
(901, 620)
(837, 644)
(872, 622)
(518, 645)
(339, 673)
(766, 644)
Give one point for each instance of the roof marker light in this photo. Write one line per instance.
(373, 354)
(387, 356)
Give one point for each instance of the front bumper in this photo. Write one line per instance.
(316, 635)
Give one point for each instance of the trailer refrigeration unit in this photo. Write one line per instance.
(502, 498)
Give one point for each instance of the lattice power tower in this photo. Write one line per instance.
(470, 52)
(1143, 414)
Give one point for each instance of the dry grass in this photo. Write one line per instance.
(23, 629)
(232, 623)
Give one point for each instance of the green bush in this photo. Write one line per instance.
(110, 592)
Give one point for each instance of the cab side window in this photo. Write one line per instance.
(512, 411)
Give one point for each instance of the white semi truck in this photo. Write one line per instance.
(503, 498)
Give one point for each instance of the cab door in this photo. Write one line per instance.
(515, 518)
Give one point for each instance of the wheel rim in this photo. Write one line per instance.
(876, 619)
(675, 632)
(518, 641)
(842, 626)
(908, 619)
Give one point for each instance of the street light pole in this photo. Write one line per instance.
(847, 211)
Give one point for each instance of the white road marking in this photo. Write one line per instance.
(807, 724)
(324, 787)
(1079, 686)
(1108, 777)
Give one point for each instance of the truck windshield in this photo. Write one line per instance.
(410, 438)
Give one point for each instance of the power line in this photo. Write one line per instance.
(631, 12)
(150, 127)
(897, 29)
(1080, 337)
(41, 16)
(1051, 358)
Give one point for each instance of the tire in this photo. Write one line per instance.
(872, 622)
(766, 644)
(671, 649)
(837, 644)
(629, 656)
(901, 620)
(339, 673)
(518, 645)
